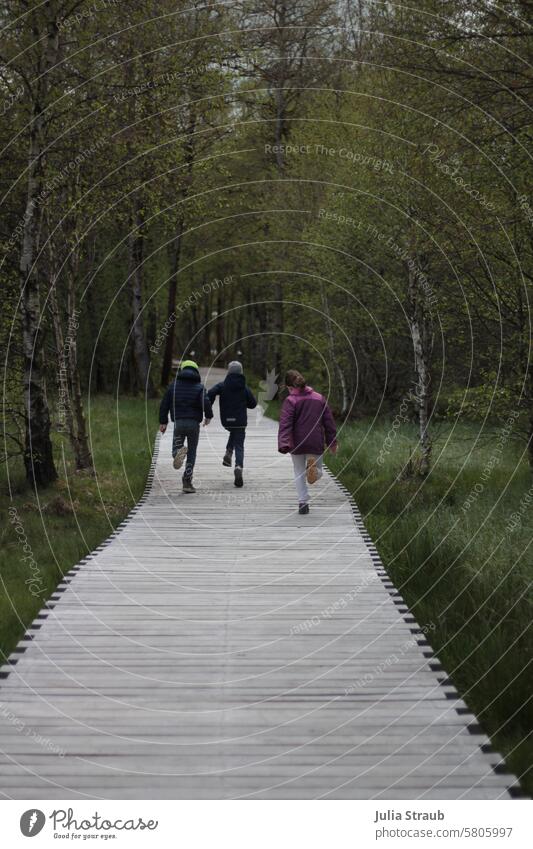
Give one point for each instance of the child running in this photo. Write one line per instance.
(306, 429)
(187, 402)
(235, 400)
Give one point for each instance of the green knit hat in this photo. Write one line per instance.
(189, 364)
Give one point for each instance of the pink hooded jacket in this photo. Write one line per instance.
(306, 424)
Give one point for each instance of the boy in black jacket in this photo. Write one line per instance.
(188, 404)
(235, 399)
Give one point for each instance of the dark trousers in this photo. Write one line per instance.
(236, 441)
(186, 429)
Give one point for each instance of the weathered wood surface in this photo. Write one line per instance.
(222, 646)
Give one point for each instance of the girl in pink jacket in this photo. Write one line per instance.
(306, 429)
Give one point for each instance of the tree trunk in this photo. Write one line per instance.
(69, 385)
(99, 376)
(530, 441)
(168, 355)
(82, 450)
(84, 458)
(530, 417)
(279, 125)
(420, 327)
(221, 319)
(332, 352)
(190, 152)
(63, 381)
(140, 346)
(38, 453)
(264, 347)
(279, 327)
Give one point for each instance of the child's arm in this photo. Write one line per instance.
(330, 428)
(207, 409)
(286, 420)
(164, 408)
(214, 391)
(251, 401)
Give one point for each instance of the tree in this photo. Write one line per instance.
(36, 70)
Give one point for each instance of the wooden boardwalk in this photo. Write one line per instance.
(219, 645)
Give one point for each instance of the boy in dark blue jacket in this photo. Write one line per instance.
(188, 404)
(235, 399)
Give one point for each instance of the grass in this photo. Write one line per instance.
(42, 537)
(460, 561)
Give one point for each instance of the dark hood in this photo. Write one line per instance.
(188, 373)
(235, 381)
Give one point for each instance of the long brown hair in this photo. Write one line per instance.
(294, 378)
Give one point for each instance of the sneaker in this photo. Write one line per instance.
(238, 476)
(311, 471)
(188, 487)
(180, 457)
(303, 509)
(226, 460)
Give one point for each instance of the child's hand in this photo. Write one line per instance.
(333, 448)
(162, 428)
(206, 422)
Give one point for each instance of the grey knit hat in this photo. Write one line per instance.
(235, 367)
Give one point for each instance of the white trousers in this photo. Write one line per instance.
(299, 462)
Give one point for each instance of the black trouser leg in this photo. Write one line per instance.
(238, 442)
